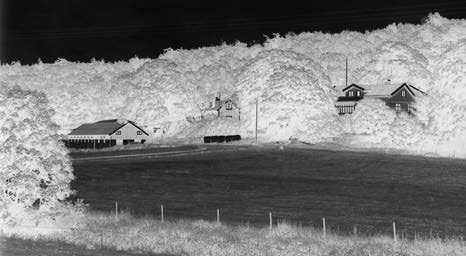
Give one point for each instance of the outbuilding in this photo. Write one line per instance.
(227, 108)
(106, 133)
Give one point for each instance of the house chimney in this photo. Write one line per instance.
(217, 100)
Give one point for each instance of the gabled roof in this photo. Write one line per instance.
(104, 127)
(410, 88)
(353, 85)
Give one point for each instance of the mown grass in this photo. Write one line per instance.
(423, 196)
(187, 237)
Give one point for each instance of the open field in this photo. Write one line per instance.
(299, 185)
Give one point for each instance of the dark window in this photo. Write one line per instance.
(228, 106)
(139, 133)
(410, 108)
(118, 133)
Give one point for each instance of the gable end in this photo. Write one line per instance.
(117, 129)
(353, 85)
(129, 122)
(401, 87)
(138, 128)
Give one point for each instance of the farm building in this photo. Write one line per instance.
(226, 108)
(106, 133)
(399, 97)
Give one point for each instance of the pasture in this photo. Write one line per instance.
(352, 190)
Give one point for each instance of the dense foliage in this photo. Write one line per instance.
(296, 79)
(35, 171)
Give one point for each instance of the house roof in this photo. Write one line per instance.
(413, 90)
(104, 127)
(386, 90)
(352, 85)
(345, 103)
(380, 89)
(344, 98)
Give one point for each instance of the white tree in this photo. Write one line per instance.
(372, 117)
(35, 171)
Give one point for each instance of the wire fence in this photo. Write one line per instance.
(406, 227)
(101, 237)
(397, 229)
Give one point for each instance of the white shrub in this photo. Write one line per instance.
(35, 170)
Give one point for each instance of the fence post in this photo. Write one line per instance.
(324, 227)
(218, 216)
(161, 213)
(116, 209)
(355, 230)
(101, 239)
(394, 231)
(270, 220)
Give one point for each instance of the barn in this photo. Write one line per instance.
(106, 133)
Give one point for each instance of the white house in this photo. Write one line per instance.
(106, 133)
(226, 108)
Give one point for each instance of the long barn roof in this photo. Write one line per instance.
(104, 127)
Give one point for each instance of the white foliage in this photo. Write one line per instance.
(34, 164)
(372, 117)
(294, 77)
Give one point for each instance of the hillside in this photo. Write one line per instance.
(295, 77)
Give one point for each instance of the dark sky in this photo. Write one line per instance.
(79, 30)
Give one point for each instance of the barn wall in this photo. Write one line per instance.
(128, 132)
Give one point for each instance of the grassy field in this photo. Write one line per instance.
(185, 237)
(24, 247)
(298, 185)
